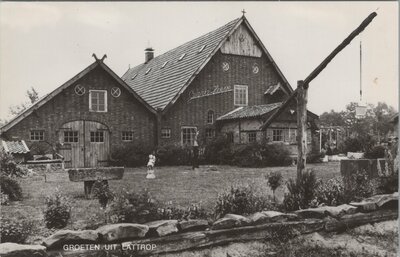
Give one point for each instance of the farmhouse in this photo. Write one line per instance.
(224, 82)
(85, 119)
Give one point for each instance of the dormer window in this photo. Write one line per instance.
(148, 71)
(182, 56)
(164, 64)
(98, 100)
(202, 48)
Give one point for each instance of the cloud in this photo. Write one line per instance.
(26, 16)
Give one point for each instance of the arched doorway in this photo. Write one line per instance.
(84, 144)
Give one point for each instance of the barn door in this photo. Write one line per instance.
(84, 144)
(71, 137)
(96, 144)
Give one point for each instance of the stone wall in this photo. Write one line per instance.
(172, 236)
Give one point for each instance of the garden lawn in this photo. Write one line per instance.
(181, 185)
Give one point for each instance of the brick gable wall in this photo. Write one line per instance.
(187, 112)
(124, 113)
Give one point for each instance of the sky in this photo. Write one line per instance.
(44, 44)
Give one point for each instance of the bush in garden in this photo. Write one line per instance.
(194, 211)
(11, 188)
(388, 185)
(172, 154)
(132, 207)
(15, 230)
(242, 199)
(215, 151)
(330, 192)
(274, 181)
(225, 156)
(358, 144)
(8, 166)
(248, 155)
(275, 155)
(102, 192)
(130, 155)
(375, 152)
(358, 186)
(57, 210)
(315, 157)
(301, 191)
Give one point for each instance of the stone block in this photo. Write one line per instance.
(121, 231)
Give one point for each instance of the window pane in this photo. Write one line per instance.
(252, 137)
(97, 136)
(240, 95)
(98, 101)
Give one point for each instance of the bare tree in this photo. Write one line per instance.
(33, 96)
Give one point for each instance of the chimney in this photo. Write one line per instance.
(148, 54)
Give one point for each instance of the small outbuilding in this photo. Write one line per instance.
(18, 149)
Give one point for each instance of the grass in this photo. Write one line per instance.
(181, 185)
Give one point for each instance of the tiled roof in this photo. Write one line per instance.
(249, 111)
(14, 147)
(158, 85)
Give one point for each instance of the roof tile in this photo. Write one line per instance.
(14, 147)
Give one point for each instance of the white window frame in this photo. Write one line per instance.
(35, 135)
(71, 135)
(97, 136)
(188, 127)
(210, 113)
(281, 135)
(105, 100)
(165, 133)
(255, 136)
(240, 87)
(127, 136)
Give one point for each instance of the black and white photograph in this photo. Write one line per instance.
(199, 129)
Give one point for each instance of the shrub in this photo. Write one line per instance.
(301, 191)
(173, 155)
(216, 150)
(132, 207)
(330, 193)
(248, 155)
(243, 199)
(375, 152)
(388, 185)
(8, 166)
(57, 211)
(358, 185)
(102, 192)
(15, 230)
(225, 156)
(130, 155)
(275, 155)
(315, 157)
(11, 188)
(194, 211)
(357, 144)
(274, 181)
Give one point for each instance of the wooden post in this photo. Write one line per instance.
(320, 139)
(302, 90)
